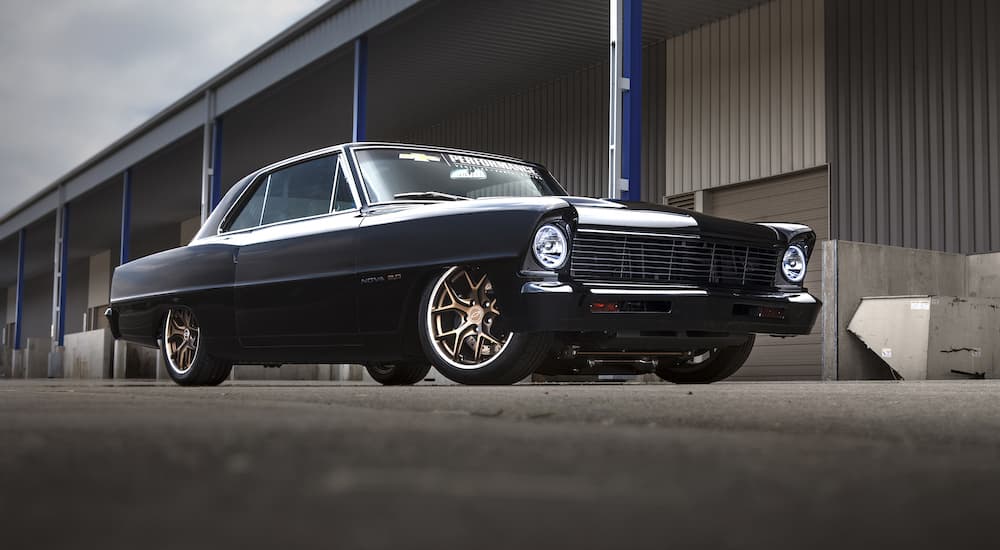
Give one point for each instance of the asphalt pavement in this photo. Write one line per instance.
(732, 465)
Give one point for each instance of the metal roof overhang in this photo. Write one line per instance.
(329, 27)
(446, 54)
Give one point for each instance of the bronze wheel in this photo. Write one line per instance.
(180, 340)
(461, 318)
(183, 350)
(460, 331)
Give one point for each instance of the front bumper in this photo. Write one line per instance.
(568, 307)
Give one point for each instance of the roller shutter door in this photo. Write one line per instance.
(800, 198)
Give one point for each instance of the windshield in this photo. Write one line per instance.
(411, 174)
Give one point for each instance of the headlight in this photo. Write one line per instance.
(550, 247)
(793, 265)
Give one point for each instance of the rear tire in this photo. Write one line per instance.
(399, 374)
(721, 364)
(188, 362)
(457, 313)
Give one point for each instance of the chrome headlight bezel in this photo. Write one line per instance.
(793, 264)
(550, 247)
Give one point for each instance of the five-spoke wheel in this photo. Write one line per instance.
(461, 334)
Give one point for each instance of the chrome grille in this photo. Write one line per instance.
(615, 257)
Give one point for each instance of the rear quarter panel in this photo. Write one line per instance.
(197, 276)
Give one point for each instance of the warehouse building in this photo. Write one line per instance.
(876, 122)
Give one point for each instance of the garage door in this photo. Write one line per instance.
(802, 198)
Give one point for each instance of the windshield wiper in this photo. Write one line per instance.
(433, 195)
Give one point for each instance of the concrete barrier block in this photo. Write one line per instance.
(88, 355)
(36, 360)
(17, 359)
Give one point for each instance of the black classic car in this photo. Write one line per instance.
(401, 257)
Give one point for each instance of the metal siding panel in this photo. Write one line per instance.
(963, 123)
(705, 121)
(670, 119)
(808, 82)
(725, 92)
(764, 101)
(715, 98)
(898, 194)
(949, 92)
(744, 103)
(880, 183)
(980, 135)
(787, 157)
(868, 191)
(993, 63)
(832, 112)
(797, 123)
(735, 95)
(777, 103)
(819, 79)
(921, 167)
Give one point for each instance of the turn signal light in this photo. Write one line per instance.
(605, 307)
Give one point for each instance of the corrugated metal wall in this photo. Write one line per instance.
(563, 124)
(745, 97)
(737, 100)
(914, 113)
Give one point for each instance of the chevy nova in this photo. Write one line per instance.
(402, 257)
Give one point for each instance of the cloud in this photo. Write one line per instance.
(78, 75)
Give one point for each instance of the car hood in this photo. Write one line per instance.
(654, 218)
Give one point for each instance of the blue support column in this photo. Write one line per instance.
(19, 298)
(126, 215)
(63, 258)
(360, 88)
(631, 153)
(216, 191)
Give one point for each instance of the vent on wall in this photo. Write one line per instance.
(689, 201)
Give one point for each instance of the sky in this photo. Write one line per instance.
(76, 75)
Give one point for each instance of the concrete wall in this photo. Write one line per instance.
(855, 270)
(983, 276)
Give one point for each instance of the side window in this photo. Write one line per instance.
(342, 197)
(299, 191)
(250, 215)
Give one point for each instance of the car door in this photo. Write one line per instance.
(296, 275)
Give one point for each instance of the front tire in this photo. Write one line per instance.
(717, 364)
(188, 362)
(399, 374)
(458, 313)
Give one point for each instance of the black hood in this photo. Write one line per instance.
(655, 218)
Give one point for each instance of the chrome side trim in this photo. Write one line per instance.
(650, 292)
(641, 233)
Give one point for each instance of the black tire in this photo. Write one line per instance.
(203, 369)
(517, 358)
(399, 374)
(722, 364)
